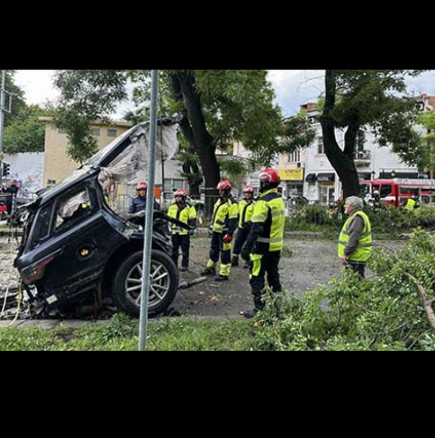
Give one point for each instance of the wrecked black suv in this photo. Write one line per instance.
(80, 246)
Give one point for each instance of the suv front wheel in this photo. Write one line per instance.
(127, 284)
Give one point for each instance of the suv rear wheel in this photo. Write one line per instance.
(127, 284)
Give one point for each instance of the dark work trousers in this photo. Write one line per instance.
(184, 242)
(357, 267)
(241, 236)
(262, 266)
(217, 246)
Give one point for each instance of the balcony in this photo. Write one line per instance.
(362, 158)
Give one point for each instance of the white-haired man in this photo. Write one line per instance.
(355, 241)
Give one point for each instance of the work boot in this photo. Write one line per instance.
(221, 278)
(183, 269)
(235, 261)
(209, 271)
(250, 313)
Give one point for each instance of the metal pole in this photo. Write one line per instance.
(2, 104)
(163, 172)
(151, 169)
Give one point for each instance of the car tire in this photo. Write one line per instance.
(127, 284)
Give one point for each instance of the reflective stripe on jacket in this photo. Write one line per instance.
(225, 213)
(269, 210)
(185, 213)
(245, 212)
(364, 249)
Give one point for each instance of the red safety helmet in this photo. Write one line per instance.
(181, 192)
(224, 185)
(270, 176)
(141, 186)
(248, 189)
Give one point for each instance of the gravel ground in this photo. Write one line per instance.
(304, 264)
(8, 275)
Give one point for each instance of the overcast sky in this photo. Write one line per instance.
(292, 87)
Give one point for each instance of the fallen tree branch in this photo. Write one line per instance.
(427, 303)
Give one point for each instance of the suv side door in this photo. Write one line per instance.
(86, 235)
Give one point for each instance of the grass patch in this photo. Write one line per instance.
(122, 334)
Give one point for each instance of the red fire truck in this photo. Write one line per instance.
(395, 192)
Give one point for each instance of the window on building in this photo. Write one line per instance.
(294, 157)
(360, 140)
(95, 131)
(173, 184)
(320, 146)
(111, 133)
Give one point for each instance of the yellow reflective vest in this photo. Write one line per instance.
(269, 210)
(364, 249)
(225, 213)
(410, 204)
(245, 212)
(185, 213)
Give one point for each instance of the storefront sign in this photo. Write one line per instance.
(291, 174)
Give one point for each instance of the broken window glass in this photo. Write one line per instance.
(72, 209)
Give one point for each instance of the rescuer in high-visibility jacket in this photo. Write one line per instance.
(246, 209)
(185, 213)
(223, 225)
(411, 204)
(355, 241)
(265, 240)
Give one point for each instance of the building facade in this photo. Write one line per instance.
(308, 172)
(58, 165)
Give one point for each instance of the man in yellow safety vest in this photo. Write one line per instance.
(355, 241)
(266, 239)
(246, 209)
(185, 213)
(223, 225)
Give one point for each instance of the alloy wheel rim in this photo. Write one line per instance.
(159, 285)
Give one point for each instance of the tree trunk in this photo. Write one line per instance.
(203, 143)
(190, 168)
(341, 160)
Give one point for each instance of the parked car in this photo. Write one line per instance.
(77, 250)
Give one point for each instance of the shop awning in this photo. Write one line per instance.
(326, 177)
(311, 177)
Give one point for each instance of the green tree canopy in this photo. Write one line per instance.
(218, 108)
(371, 99)
(18, 104)
(26, 133)
(425, 156)
(23, 132)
